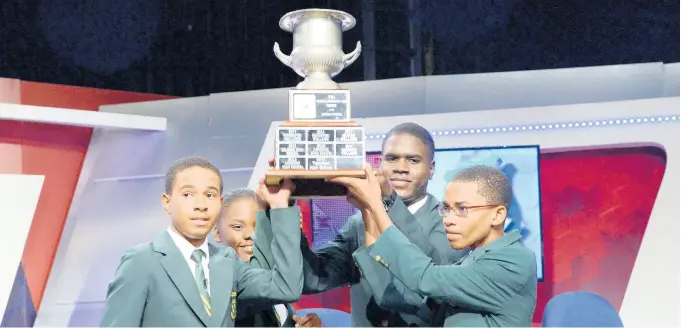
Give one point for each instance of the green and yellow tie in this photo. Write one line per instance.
(200, 278)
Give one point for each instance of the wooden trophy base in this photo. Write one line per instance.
(313, 184)
(311, 152)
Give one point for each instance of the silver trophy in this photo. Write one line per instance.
(319, 140)
(317, 46)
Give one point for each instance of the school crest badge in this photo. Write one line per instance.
(232, 312)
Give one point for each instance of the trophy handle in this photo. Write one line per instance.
(351, 57)
(285, 59)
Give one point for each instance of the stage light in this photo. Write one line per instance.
(551, 126)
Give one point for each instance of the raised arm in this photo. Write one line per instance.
(323, 270)
(127, 293)
(262, 258)
(388, 291)
(263, 237)
(484, 285)
(433, 241)
(331, 266)
(410, 227)
(284, 283)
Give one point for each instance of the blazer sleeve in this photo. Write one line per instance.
(323, 270)
(284, 283)
(263, 237)
(126, 296)
(484, 285)
(388, 291)
(331, 266)
(433, 243)
(251, 307)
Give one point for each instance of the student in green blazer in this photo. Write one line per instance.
(407, 165)
(235, 228)
(179, 279)
(495, 285)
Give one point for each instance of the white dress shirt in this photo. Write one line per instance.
(282, 313)
(417, 205)
(187, 249)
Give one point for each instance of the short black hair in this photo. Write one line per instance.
(415, 131)
(492, 183)
(234, 194)
(186, 163)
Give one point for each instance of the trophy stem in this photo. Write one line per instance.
(319, 81)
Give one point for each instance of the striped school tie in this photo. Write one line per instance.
(200, 278)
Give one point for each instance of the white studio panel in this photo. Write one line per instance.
(75, 117)
(19, 195)
(650, 298)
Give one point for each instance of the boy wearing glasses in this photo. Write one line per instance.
(495, 285)
(407, 164)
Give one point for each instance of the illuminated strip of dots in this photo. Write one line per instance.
(552, 126)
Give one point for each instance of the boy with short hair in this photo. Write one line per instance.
(179, 279)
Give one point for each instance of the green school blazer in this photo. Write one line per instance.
(494, 286)
(333, 265)
(153, 285)
(262, 313)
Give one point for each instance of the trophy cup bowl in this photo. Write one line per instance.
(319, 140)
(317, 53)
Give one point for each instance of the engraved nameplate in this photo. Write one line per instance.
(319, 105)
(289, 135)
(321, 135)
(320, 148)
(292, 149)
(321, 163)
(291, 163)
(350, 135)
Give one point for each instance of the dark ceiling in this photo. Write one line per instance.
(192, 48)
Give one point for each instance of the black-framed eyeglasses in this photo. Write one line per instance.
(460, 211)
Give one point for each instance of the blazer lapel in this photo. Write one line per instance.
(221, 274)
(176, 267)
(429, 207)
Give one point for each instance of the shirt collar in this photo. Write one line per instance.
(185, 247)
(417, 205)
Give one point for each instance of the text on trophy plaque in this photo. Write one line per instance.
(320, 148)
(319, 105)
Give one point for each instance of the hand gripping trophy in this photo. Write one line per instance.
(319, 140)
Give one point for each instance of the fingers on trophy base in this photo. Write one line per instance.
(313, 184)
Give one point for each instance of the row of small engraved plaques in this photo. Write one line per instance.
(320, 148)
(354, 134)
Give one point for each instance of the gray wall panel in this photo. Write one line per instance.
(145, 153)
(671, 80)
(387, 97)
(117, 201)
(454, 93)
(239, 122)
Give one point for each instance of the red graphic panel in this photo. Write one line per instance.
(595, 208)
(55, 151)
